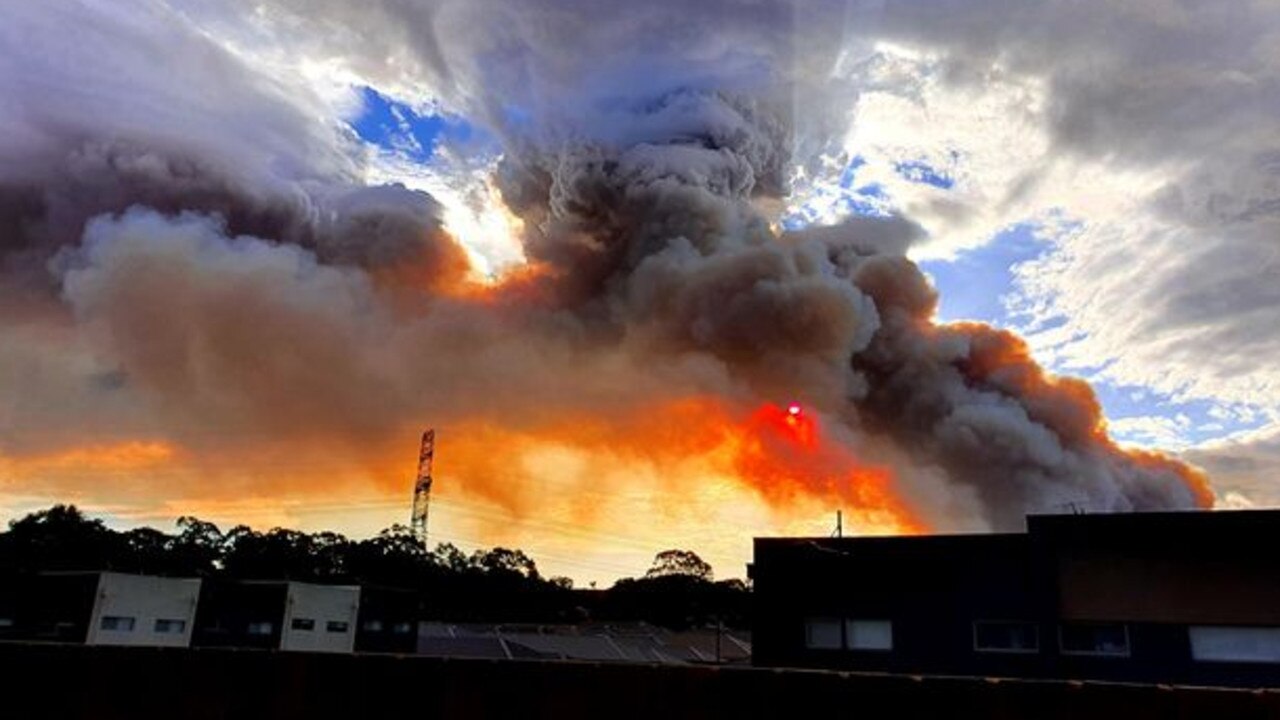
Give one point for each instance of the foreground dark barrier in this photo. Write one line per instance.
(67, 681)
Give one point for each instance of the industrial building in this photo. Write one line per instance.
(388, 620)
(108, 608)
(143, 610)
(1188, 597)
(100, 608)
(281, 615)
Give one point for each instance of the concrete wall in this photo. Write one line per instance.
(72, 682)
(320, 618)
(143, 610)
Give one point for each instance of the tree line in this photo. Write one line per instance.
(494, 585)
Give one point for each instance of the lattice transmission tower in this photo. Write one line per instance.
(422, 487)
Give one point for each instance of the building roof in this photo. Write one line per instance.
(627, 642)
(463, 647)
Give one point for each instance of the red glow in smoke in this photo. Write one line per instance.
(783, 453)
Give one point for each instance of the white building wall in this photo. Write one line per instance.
(320, 618)
(143, 610)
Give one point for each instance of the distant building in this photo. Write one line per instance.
(100, 608)
(281, 615)
(108, 608)
(143, 610)
(388, 620)
(1189, 597)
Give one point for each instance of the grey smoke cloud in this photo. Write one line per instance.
(837, 321)
(208, 243)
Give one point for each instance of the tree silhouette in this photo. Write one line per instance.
(679, 562)
(496, 585)
(501, 560)
(60, 538)
(198, 547)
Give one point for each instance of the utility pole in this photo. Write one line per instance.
(839, 531)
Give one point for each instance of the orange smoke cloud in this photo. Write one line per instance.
(1068, 406)
(1193, 478)
(775, 454)
(129, 455)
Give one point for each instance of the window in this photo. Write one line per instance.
(117, 623)
(822, 634)
(826, 634)
(1235, 644)
(336, 626)
(402, 628)
(1005, 636)
(260, 628)
(6, 622)
(164, 625)
(372, 626)
(869, 634)
(1094, 639)
(303, 624)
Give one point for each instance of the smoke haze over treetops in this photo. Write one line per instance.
(215, 295)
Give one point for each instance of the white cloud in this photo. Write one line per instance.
(1155, 154)
(986, 139)
(1245, 466)
(473, 209)
(1156, 431)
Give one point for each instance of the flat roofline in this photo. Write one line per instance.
(1217, 513)
(949, 537)
(1056, 521)
(86, 573)
(283, 583)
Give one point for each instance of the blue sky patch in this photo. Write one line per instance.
(973, 285)
(1186, 422)
(850, 172)
(849, 199)
(918, 171)
(395, 126)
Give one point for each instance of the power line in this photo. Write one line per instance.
(577, 562)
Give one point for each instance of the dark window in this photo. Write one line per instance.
(118, 623)
(1005, 636)
(164, 625)
(829, 634)
(402, 628)
(260, 628)
(336, 626)
(1094, 639)
(303, 624)
(822, 634)
(868, 634)
(373, 626)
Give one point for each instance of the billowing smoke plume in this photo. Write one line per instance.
(659, 243)
(233, 285)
